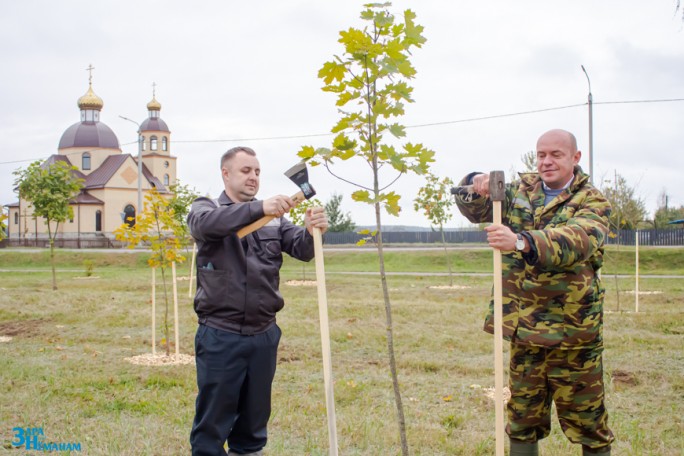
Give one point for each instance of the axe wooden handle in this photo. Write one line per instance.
(252, 227)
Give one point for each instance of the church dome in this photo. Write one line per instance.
(89, 134)
(90, 100)
(153, 121)
(154, 105)
(153, 124)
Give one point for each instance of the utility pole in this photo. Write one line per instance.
(590, 100)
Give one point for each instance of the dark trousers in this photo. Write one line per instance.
(234, 377)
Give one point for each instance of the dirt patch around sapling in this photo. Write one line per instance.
(148, 359)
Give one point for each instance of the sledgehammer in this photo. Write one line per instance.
(299, 175)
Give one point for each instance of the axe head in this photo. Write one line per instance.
(300, 176)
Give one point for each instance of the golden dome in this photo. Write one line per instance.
(90, 100)
(154, 105)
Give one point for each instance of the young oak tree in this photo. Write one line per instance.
(49, 187)
(370, 81)
(435, 200)
(157, 227)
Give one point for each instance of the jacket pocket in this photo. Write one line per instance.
(213, 291)
(270, 239)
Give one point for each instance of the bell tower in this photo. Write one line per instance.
(156, 144)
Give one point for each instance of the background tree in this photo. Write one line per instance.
(370, 81)
(665, 214)
(628, 209)
(180, 202)
(49, 188)
(435, 200)
(338, 221)
(529, 160)
(157, 227)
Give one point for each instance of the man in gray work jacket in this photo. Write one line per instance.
(236, 303)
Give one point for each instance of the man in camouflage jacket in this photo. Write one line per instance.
(554, 226)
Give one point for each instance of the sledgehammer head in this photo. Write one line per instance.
(300, 176)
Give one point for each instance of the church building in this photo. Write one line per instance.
(110, 189)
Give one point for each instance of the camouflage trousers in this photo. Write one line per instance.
(573, 380)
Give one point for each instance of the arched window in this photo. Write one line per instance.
(98, 220)
(16, 218)
(129, 215)
(153, 143)
(85, 161)
(166, 180)
(165, 143)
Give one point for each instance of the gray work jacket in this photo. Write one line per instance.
(238, 280)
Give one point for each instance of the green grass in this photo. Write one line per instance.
(64, 369)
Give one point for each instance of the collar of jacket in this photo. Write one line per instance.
(225, 200)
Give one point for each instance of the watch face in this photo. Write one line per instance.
(519, 244)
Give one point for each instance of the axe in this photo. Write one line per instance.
(497, 194)
(297, 174)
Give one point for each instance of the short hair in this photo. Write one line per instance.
(231, 153)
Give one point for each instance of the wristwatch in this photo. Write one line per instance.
(520, 243)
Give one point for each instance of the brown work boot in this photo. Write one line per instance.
(519, 448)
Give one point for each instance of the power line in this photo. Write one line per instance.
(448, 122)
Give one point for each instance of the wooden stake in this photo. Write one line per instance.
(175, 305)
(192, 268)
(154, 324)
(636, 286)
(497, 194)
(325, 340)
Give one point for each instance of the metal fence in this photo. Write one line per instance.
(672, 237)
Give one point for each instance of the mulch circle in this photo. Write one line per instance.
(148, 359)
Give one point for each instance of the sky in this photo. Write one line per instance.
(227, 73)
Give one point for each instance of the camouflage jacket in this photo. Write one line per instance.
(554, 298)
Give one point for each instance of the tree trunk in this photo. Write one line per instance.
(51, 241)
(390, 336)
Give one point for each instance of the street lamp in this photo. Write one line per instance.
(140, 142)
(591, 129)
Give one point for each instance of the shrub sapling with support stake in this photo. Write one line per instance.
(157, 227)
